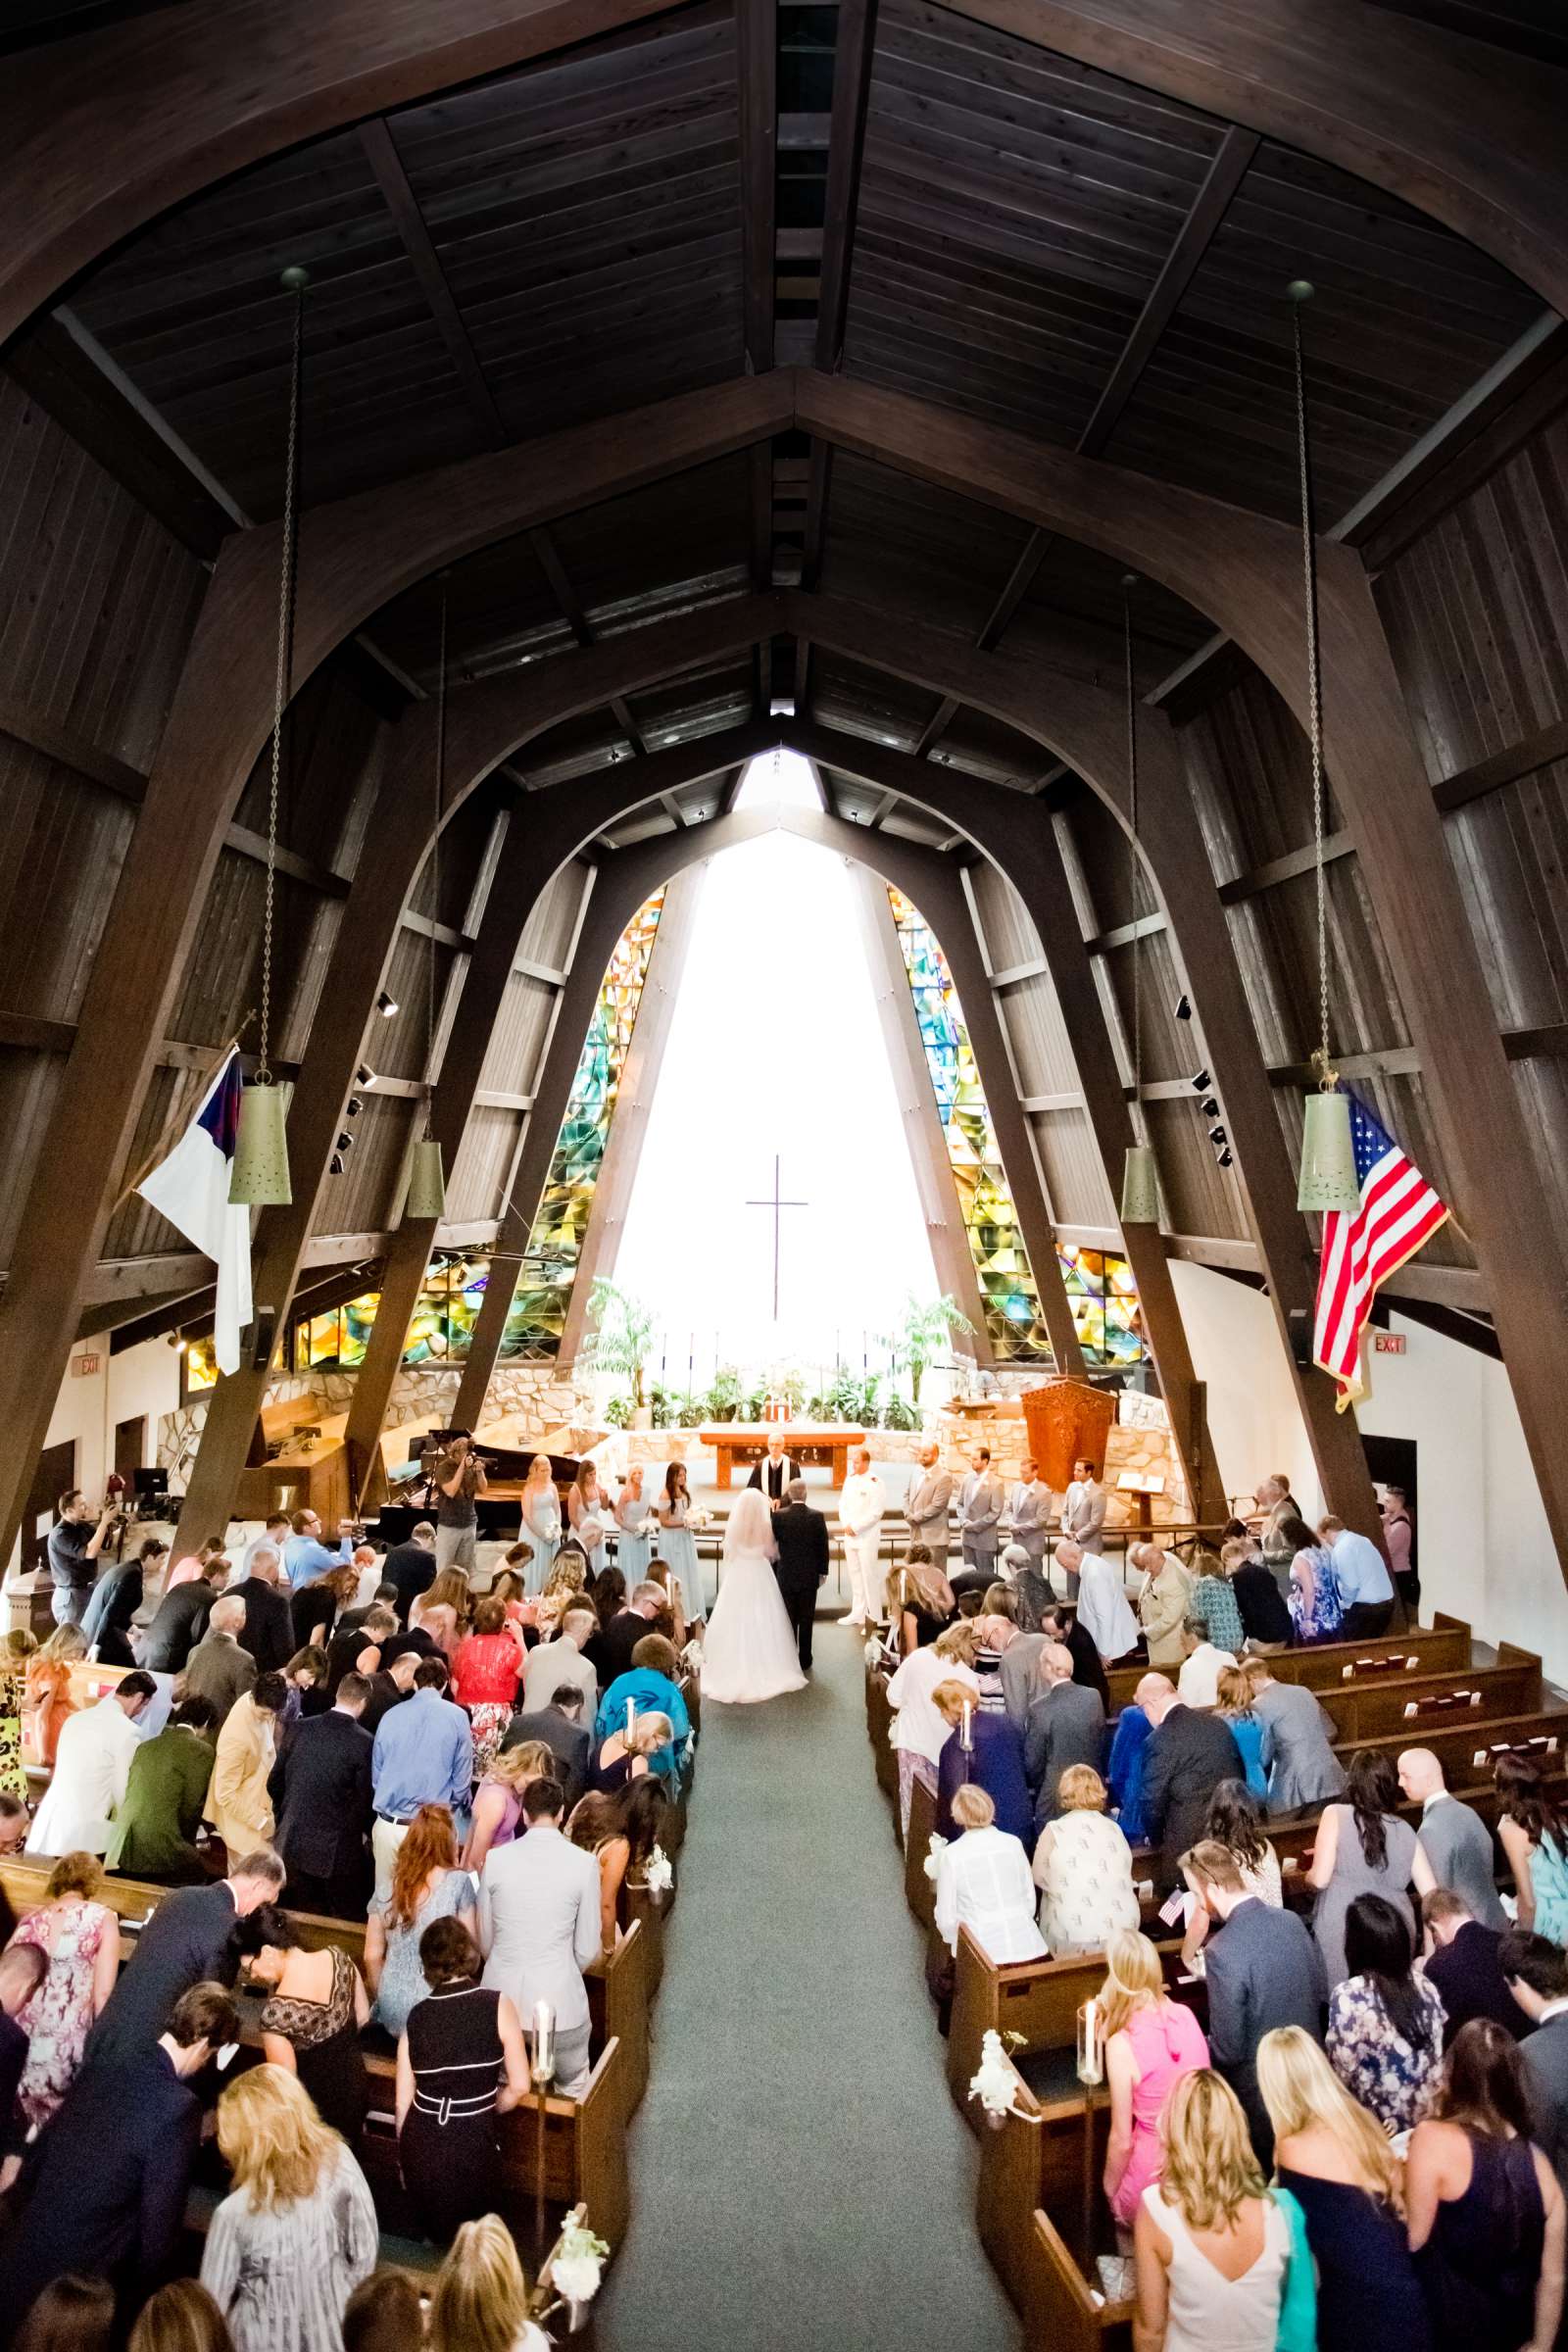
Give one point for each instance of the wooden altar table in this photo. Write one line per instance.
(746, 1442)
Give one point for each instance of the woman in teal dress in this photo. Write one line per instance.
(1535, 1838)
(1235, 1694)
(541, 1520)
(677, 1545)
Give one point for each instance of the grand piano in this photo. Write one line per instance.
(500, 1507)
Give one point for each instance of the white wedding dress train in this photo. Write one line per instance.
(749, 1650)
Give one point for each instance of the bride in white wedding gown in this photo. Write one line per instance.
(749, 1650)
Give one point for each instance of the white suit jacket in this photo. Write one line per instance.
(539, 1923)
(88, 1784)
(984, 1883)
(862, 1503)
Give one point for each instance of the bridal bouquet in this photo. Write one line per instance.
(701, 1519)
(649, 1528)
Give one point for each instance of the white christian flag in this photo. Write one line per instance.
(190, 1188)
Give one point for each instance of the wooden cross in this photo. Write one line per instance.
(776, 1205)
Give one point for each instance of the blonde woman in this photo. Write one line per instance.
(566, 1582)
(287, 2248)
(1221, 2261)
(1337, 2163)
(983, 1885)
(1082, 1867)
(541, 1520)
(497, 1800)
(46, 1702)
(627, 1755)
(919, 1730)
(480, 2302)
(1150, 2043)
(588, 1509)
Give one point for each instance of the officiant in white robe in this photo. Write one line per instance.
(773, 1473)
(861, 1504)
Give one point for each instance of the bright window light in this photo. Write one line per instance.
(778, 780)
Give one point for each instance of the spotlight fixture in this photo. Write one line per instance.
(1184, 1008)
(1225, 1157)
(386, 1006)
(345, 1142)
(1199, 1081)
(336, 1164)
(1209, 1108)
(364, 1075)
(353, 1107)
(1216, 1135)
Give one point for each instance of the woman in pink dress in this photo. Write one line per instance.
(81, 1938)
(1149, 2042)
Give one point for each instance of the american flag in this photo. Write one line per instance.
(1398, 1210)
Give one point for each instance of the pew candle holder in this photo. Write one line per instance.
(543, 2071)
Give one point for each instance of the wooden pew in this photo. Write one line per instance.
(1442, 1647)
(1371, 1709)
(919, 1891)
(1062, 2310)
(1049, 2156)
(1468, 1749)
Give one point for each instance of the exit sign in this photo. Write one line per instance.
(1388, 1343)
(85, 1366)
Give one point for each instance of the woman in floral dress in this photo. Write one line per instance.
(81, 1938)
(13, 1657)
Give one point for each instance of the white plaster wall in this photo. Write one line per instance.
(1253, 1418)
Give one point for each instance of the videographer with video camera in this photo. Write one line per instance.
(76, 1546)
(459, 1481)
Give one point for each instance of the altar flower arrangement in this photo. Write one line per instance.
(578, 2264)
(658, 1871)
(934, 1852)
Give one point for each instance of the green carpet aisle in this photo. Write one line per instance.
(799, 2177)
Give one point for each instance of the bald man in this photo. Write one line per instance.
(1455, 1840)
(1066, 1725)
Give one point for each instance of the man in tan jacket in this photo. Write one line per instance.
(237, 1803)
(1164, 1600)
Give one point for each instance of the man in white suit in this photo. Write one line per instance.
(861, 1507)
(539, 1928)
(1083, 1509)
(773, 1473)
(927, 1505)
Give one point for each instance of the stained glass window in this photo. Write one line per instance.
(550, 1262)
(1105, 1305)
(1014, 1322)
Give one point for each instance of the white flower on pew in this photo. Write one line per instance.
(873, 1649)
(932, 1855)
(578, 2264)
(658, 1871)
(995, 2084)
(692, 1656)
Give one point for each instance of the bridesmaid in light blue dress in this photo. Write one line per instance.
(677, 1545)
(632, 1549)
(588, 1508)
(541, 1520)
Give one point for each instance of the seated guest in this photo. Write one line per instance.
(1465, 1965)
(1363, 1847)
(1234, 1695)
(1066, 1726)
(320, 1786)
(311, 2020)
(443, 1611)
(539, 1928)
(497, 1800)
(920, 1732)
(1535, 1838)
(298, 2231)
(238, 1804)
(1149, 2042)
(1129, 1754)
(183, 2318)
(1214, 1606)
(92, 1770)
(1059, 1623)
(1104, 1609)
(1190, 1754)
(562, 1660)
(426, 1886)
(920, 1602)
(1483, 2210)
(562, 1730)
(190, 1939)
(79, 1938)
(983, 1883)
(1082, 1867)
(384, 2314)
(423, 1754)
(629, 1752)
(1165, 1598)
(650, 1687)
(1264, 1971)
(1236, 1822)
(1198, 1684)
(1297, 1743)
(1314, 1599)
(1455, 1840)
(218, 1670)
(1384, 2037)
(160, 1816)
(596, 1828)
(1360, 1578)
(485, 1674)
(1213, 2246)
(1342, 2171)
(1260, 1604)
(989, 1756)
(113, 2168)
(461, 2063)
(180, 1619)
(1537, 1977)
(480, 2302)
(314, 1608)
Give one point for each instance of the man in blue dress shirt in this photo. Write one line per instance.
(1362, 1580)
(423, 1755)
(306, 1556)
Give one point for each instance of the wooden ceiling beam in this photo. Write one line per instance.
(757, 78)
(380, 148)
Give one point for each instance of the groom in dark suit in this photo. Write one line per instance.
(801, 1535)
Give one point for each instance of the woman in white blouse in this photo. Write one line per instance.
(984, 1884)
(919, 1730)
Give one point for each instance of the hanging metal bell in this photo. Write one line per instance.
(1140, 1186)
(259, 1178)
(428, 1183)
(1329, 1180)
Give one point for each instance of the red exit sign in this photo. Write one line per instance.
(1388, 1343)
(85, 1366)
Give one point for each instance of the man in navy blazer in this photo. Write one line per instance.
(1263, 1969)
(320, 1791)
(188, 1940)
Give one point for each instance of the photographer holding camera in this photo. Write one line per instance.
(76, 1546)
(459, 1481)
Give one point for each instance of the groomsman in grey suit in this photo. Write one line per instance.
(981, 1501)
(1083, 1511)
(1030, 1512)
(926, 1508)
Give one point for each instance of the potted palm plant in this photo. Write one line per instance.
(621, 1341)
(924, 1334)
